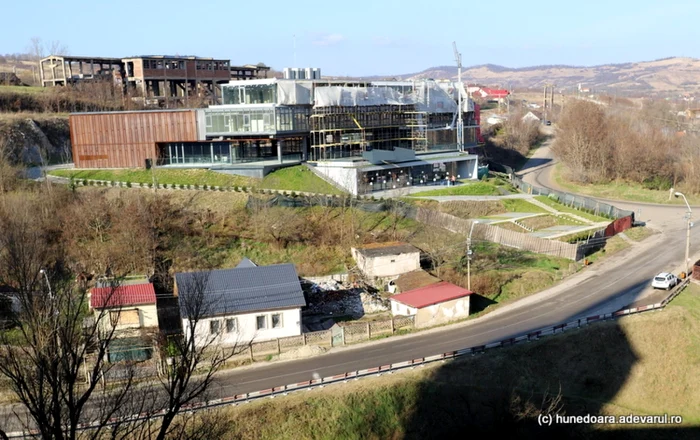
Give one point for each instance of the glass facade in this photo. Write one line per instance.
(400, 177)
(250, 94)
(223, 121)
(229, 152)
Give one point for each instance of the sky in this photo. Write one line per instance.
(363, 37)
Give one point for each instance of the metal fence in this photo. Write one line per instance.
(339, 335)
(585, 204)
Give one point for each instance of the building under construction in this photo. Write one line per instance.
(158, 80)
(364, 136)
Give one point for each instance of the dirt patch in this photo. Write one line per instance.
(306, 351)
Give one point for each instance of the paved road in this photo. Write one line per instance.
(622, 280)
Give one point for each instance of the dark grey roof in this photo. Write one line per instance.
(246, 263)
(384, 249)
(245, 289)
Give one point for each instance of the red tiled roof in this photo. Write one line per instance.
(495, 93)
(130, 295)
(431, 294)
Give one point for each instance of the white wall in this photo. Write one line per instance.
(388, 265)
(443, 312)
(344, 175)
(247, 331)
(148, 317)
(398, 309)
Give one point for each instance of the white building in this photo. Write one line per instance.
(433, 304)
(246, 304)
(386, 259)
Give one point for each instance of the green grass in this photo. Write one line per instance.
(465, 189)
(163, 176)
(619, 190)
(298, 178)
(639, 233)
(20, 89)
(617, 367)
(522, 205)
(563, 208)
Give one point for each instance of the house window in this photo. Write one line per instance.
(393, 261)
(214, 327)
(125, 317)
(260, 322)
(277, 320)
(231, 325)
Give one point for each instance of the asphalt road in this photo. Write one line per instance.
(622, 280)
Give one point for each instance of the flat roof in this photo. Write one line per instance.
(79, 58)
(430, 295)
(119, 112)
(390, 248)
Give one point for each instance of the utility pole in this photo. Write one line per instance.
(544, 104)
(687, 238)
(460, 122)
(469, 255)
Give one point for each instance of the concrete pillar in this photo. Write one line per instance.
(279, 150)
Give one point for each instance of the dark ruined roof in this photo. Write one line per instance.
(415, 280)
(243, 289)
(383, 249)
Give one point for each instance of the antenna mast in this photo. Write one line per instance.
(460, 122)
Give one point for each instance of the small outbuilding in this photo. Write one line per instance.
(433, 304)
(386, 259)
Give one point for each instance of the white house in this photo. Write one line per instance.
(433, 304)
(246, 304)
(386, 259)
(529, 116)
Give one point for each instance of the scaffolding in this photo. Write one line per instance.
(344, 131)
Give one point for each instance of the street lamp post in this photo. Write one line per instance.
(46, 277)
(687, 237)
(469, 256)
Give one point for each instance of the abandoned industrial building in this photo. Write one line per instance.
(362, 135)
(158, 79)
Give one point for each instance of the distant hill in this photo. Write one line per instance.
(664, 77)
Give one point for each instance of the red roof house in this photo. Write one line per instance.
(123, 296)
(432, 304)
(489, 93)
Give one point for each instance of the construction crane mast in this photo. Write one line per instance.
(460, 122)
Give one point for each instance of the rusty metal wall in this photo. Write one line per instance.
(126, 139)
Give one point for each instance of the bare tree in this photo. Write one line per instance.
(38, 49)
(46, 357)
(194, 357)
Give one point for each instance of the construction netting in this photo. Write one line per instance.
(426, 95)
(294, 92)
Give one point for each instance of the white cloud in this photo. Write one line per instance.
(328, 39)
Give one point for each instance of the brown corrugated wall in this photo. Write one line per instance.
(126, 139)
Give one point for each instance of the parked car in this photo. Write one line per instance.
(664, 281)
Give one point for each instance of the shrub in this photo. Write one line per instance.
(112, 183)
(85, 182)
(150, 184)
(245, 188)
(128, 184)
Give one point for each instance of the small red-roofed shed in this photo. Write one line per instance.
(432, 304)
